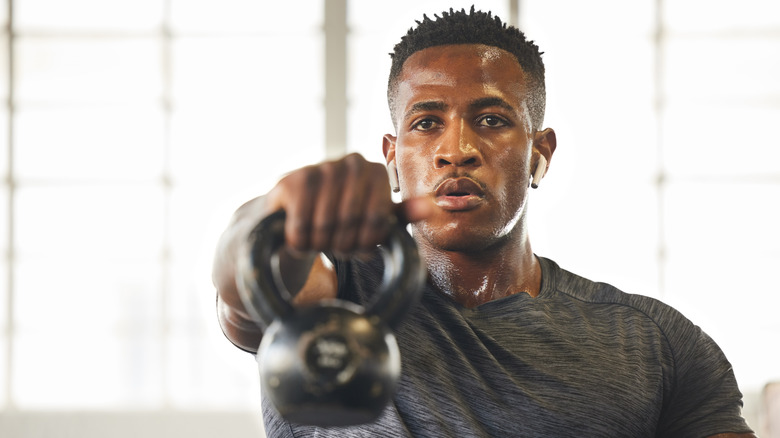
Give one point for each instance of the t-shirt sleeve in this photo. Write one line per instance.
(703, 398)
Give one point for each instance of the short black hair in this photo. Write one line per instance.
(474, 27)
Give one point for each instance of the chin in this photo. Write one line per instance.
(453, 238)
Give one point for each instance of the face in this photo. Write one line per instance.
(464, 138)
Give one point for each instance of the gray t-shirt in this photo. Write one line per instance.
(581, 359)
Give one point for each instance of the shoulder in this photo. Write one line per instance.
(700, 382)
(558, 283)
(607, 305)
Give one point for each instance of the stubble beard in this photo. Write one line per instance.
(452, 237)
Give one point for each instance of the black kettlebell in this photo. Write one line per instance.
(334, 363)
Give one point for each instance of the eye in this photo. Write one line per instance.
(425, 125)
(492, 121)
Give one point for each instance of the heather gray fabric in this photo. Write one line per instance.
(582, 359)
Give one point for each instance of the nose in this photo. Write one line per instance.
(458, 147)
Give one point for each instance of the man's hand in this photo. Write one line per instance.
(342, 206)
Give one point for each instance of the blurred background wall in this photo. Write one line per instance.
(131, 129)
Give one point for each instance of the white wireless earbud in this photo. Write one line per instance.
(392, 175)
(541, 167)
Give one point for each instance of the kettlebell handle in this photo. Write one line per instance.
(262, 290)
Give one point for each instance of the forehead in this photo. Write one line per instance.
(459, 72)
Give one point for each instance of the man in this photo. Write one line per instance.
(503, 343)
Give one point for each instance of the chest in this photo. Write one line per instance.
(534, 371)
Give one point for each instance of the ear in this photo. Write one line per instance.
(545, 143)
(541, 155)
(388, 147)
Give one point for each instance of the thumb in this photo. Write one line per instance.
(414, 210)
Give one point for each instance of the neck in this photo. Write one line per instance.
(475, 278)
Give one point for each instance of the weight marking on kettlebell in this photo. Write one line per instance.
(329, 356)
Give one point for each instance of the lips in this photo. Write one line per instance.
(459, 194)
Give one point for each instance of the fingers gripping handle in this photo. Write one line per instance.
(266, 299)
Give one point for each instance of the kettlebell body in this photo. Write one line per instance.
(333, 363)
(329, 365)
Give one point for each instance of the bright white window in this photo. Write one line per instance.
(138, 127)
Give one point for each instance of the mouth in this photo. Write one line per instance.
(459, 194)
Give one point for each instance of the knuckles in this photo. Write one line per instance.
(297, 232)
(337, 205)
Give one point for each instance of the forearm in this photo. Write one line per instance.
(235, 321)
(238, 327)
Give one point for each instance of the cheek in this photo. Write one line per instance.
(512, 165)
(411, 175)
(514, 182)
(512, 179)
(509, 152)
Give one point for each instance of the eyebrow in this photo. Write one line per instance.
(486, 102)
(428, 105)
(437, 105)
